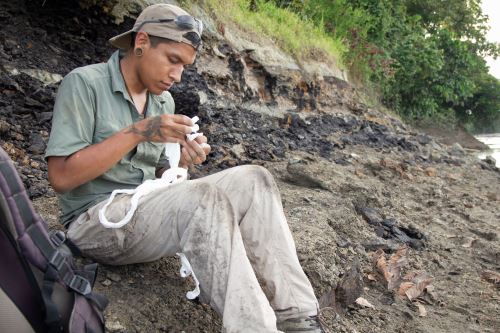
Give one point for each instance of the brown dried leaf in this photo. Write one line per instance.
(397, 261)
(411, 275)
(421, 281)
(363, 302)
(371, 277)
(403, 287)
(383, 268)
(422, 312)
(491, 276)
(391, 271)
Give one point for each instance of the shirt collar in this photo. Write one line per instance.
(117, 81)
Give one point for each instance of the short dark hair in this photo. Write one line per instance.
(154, 40)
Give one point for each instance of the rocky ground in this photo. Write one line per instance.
(402, 228)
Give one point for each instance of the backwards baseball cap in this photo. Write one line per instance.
(165, 21)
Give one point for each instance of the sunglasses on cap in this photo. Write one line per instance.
(183, 22)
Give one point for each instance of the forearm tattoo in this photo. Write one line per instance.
(152, 130)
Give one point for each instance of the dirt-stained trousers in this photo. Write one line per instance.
(231, 227)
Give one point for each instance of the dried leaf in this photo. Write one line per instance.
(371, 277)
(363, 302)
(391, 271)
(404, 287)
(491, 276)
(420, 282)
(397, 261)
(381, 264)
(422, 312)
(431, 291)
(411, 275)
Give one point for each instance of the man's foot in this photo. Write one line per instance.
(310, 324)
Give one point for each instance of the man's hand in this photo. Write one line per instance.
(164, 128)
(194, 152)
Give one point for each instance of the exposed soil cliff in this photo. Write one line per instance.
(354, 180)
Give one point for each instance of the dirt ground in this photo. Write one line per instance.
(354, 182)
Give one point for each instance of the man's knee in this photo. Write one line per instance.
(256, 174)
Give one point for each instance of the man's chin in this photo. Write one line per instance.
(158, 91)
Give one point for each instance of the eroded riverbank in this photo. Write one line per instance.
(353, 180)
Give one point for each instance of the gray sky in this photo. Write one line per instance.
(492, 9)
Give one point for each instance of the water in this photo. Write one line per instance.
(493, 141)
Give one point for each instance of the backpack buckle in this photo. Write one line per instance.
(57, 237)
(80, 285)
(57, 260)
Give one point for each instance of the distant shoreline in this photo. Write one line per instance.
(449, 136)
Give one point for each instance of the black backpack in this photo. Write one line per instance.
(41, 289)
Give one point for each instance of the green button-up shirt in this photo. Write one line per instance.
(92, 104)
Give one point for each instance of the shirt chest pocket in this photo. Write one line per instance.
(147, 156)
(108, 123)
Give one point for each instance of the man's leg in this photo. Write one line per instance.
(196, 218)
(268, 242)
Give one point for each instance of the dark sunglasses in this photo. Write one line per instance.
(184, 22)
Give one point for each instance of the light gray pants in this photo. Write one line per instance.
(231, 227)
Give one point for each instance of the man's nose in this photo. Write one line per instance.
(176, 73)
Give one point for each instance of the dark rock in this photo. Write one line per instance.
(384, 244)
(350, 287)
(423, 139)
(370, 215)
(490, 160)
(37, 144)
(10, 44)
(4, 127)
(43, 117)
(30, 102)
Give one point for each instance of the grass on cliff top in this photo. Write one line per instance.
(300, 38)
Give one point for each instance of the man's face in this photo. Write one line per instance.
(162, 66)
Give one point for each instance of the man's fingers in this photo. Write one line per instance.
(206, 148)
(186, 157)
(183, 129)
(180, 119)
(201, 139)
(200, 152)
(190, 153)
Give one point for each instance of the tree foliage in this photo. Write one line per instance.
(425, 55)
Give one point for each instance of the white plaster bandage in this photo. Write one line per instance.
(171, 176)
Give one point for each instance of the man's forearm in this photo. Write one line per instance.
(68, 172)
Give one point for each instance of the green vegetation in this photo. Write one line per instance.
(299, 37)
(424, 57)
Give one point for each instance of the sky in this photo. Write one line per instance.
(492, 9)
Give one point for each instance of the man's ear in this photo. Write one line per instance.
(141, 39)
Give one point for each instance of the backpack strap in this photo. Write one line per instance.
(47, 252)
(17, 280)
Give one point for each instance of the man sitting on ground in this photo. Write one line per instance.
(110, 123)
